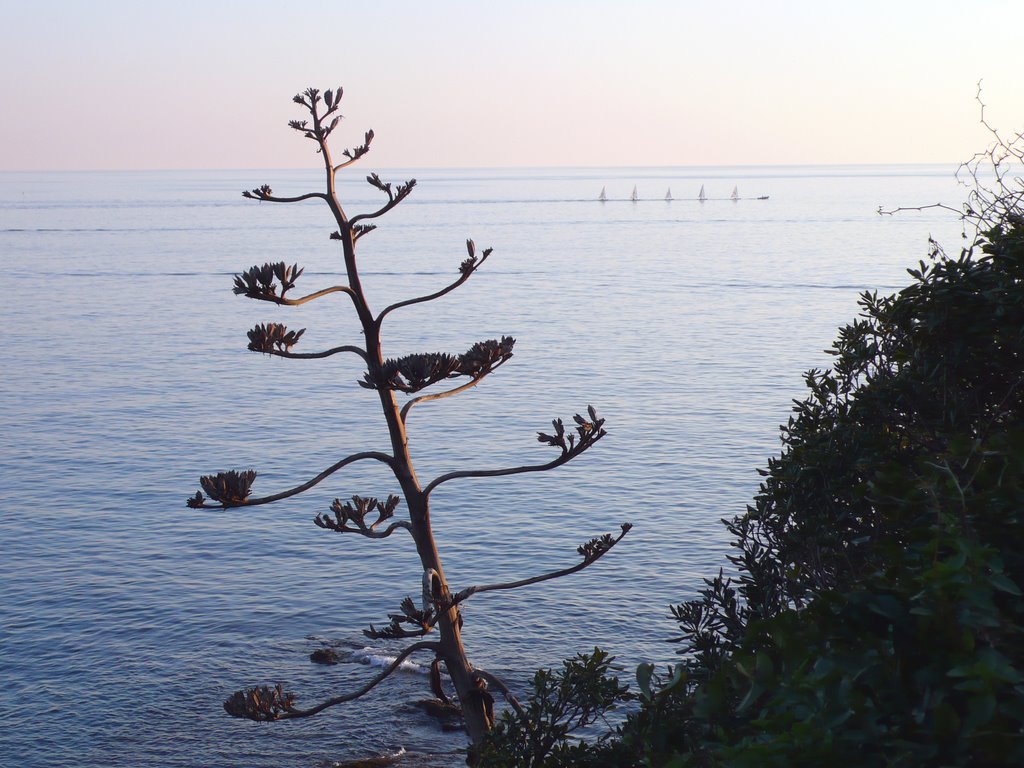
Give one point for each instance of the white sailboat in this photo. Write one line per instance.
(700, 195)
(602, 197)
(634, 197)
(735, 193)
(668, 195)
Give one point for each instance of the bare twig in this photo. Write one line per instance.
(314, 355)
(890, 211)
(563, 459)
(197, 502)
(375, 534)
(354, 154)
(987, 201)
(296, 302)
(394, 197)
(264, 195)
(604, 545)
(589, 433)
(469, 266)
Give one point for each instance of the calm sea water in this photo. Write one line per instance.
(127, 618)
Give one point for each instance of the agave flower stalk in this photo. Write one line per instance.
(437, 609)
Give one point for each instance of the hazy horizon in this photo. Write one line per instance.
(355, 170)
(116, 85)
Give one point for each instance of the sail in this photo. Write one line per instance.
(701, 196)
(735, 193)
(602, 197)
(633, 197)
(668, 195)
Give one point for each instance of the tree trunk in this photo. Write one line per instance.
(476, 713)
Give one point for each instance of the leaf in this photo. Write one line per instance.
(643, 679)
(1004, 583)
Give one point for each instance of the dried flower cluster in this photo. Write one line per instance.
(262, 192)
(589, 433)
(418, 371)
(318, 132)
(229, 488)
(263, 703)
(596, 547)
(485, 356)
(413, 372)
(395, 195)
(472, 262)
(259, 282)
(356, 512)
(362, 149)
(273, 337)
(420, 620)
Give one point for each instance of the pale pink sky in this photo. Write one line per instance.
(123, 84)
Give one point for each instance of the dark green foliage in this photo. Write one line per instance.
(562, 702)
(875, 615)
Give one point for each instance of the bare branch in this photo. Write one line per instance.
(296, 302)
(267, 703)
(441, 395)
(198, 502)
(394, 196)
(275, 339)
(425, 620)
(592, 551)
(468, 267)
(589, 433)
(313, 355)
(987, 201)
(942, 206)
(404, 524)
(354, 154)
(263, 282)
(264, 195)
(563, 459)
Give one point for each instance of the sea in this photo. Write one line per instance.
(126, 618)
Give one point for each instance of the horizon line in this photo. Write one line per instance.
(247, 169)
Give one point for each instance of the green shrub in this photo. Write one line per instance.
(876, 618)
(875, 615)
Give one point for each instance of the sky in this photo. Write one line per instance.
(152, 84)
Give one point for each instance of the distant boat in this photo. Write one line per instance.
(602, 197)
(701, 196)
(735, 193)
(763, 197)
(634, 197)
(668, 195)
